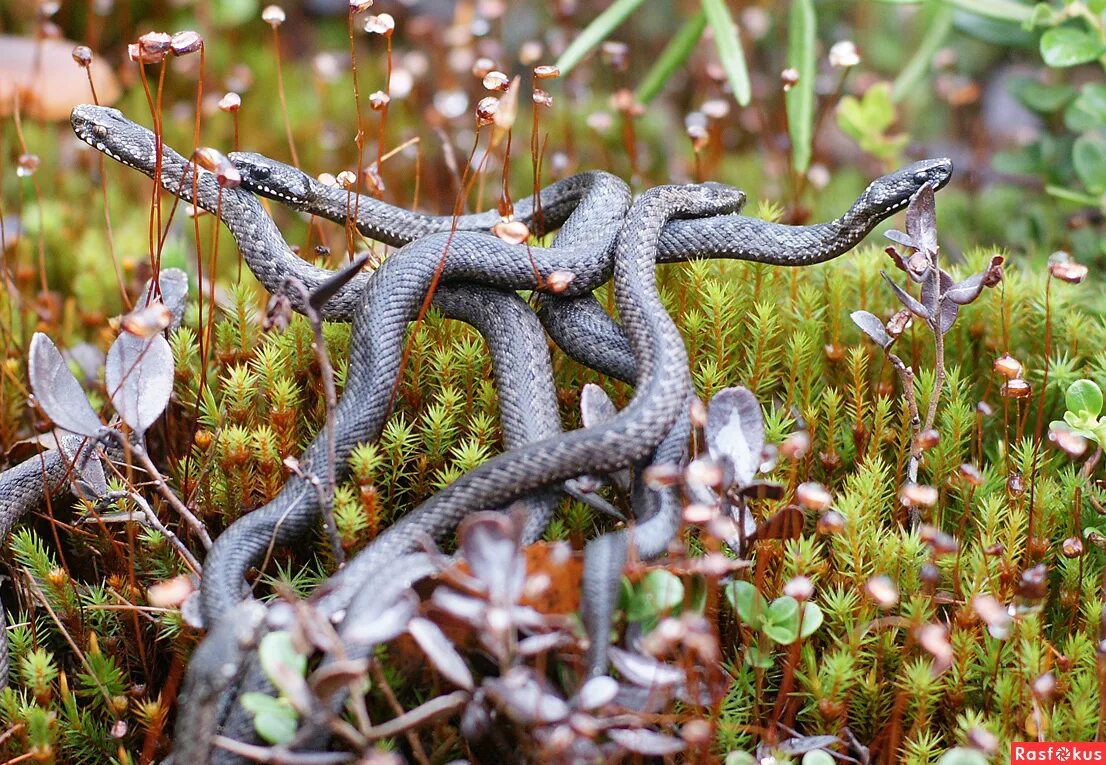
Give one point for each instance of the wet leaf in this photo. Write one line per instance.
(335, 675)
(645, 671)
(596, 406)
(1068, 46)
(174, 293)
(385, 619)
(906, 298)
(441, 652)
(57, 390)
(330, 286)
(520, 695)
(139, 378)
(646, 742)
(491, 543)
(283, 664)
(871, 326)
(921, 220)
(92, 482)
(597, 692)
(968, 290)
(781, 622)
(735, 432)
(662, 590)
(1084, 397)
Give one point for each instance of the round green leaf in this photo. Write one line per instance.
(1089, 157)
(663, 590)
(963, 756)
(812, 619)
(1084, 397)
(276, 651)
(781, 623)
(1068, 46)
(749, 604)
(274, 719)
(755, 657)
(1088, 110)
(818, 757)
(738, 757)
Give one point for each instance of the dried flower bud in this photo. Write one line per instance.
(699, 514)
(616, 54)
(216, 162)
(698, 413)
(1033, 584)
(381, 24)
(835, 352)
(1017, 388)
(560, 280)
(347, 179)
(800, 588)
(496, 81)
(971, 474)
(623, 101)
(147, 321)
(1015, 484)
(984, 408)
(600, 122)
(170, 593)
(327, 180)
(882, 591)
(938, 541)
(704, 472)
(934, 638)
(662, 475)
(360, 6)
(983, 740)
(512, 231)
(796, 445)
(378, 99)
(230, 102)
(1007, 366)
(486, 109)
(1044, 686)
(831, 522)
(482, 67)
(813, 496)
(716, 108)
(843, 54)
(1072, 444)
(530, 52)
(992, 613)
(27, 164)
(546, 72)
(918, 495)
(929, 439)
(273, 15)
(1072, 547)
(82, 54)
(1070, 272)
(186, 42)
(789, 78)
(542, 98)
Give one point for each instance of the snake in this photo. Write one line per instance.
(476, 258)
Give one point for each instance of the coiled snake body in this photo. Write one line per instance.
(385, 301)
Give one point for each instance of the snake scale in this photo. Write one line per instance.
(382, 303)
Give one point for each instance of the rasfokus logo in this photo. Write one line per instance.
(1043, 753)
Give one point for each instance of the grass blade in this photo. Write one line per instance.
(596, 32)
(730, 53)
(801, 41)
(672, 57)
(940, 25)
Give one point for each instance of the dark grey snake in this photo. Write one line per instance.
(395, 290)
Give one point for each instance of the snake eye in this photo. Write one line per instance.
(260, 173)
(100, 131)
(921, 177)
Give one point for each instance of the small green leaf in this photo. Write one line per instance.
(738, 757)
(781, 623)
(1084, 396)
(728, 43)
(754, 657)
(1088, 110)
(1089, 157)
(596, 32)
(274, 719)
(812, 619)
(276, 651)
(672, 57)
(749, 604)
(818, 757)
(662, 589)
(1003, 10)
(1068, 46)
(963, 756)
(1041, 97)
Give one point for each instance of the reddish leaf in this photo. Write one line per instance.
(871, 326)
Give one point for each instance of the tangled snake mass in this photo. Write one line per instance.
(601, 234)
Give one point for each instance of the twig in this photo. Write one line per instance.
(147, 517)
(325, 492)
(148, 465)
(279, 755)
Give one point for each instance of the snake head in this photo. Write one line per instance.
(272, 179)
(894, 191)
(107, 130)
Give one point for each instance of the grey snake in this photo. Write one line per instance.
(384, 302)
